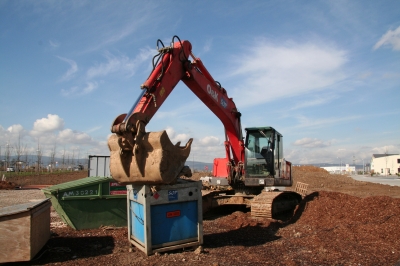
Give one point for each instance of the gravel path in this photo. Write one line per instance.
(13, 197)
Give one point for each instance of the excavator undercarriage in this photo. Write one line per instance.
(267, 204)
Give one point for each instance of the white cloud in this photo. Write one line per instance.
(174, 137)
(12, 134)
(204, 153)
(54, 44)
(180, 111)
(71, 91)
(75, 90)
(170, 132)
(207, 46)
(15, 129)
(268, 71)
(113, 37)
(306, 122)
(114, 64)
(391, 75)
(390, 149)
(93, 129)
(309, 156)
(311, 143)
(71, 136)
(207, 143)
(390, 38)
(47, 125)
(365, 75)
(313, 102)
(120, 64)
(90, 86)
(336, 155)
(210, 141)
(49, 133)
(70, 72)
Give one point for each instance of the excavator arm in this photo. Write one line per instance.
(137, 156)
(140, 157)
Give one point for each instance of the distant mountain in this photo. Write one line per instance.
(32, 160)
(194, 165)
(45, 160)
(332, 164)
(199, 166)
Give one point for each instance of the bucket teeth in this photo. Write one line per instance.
(153, 159)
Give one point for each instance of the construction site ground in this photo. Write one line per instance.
(340, 222)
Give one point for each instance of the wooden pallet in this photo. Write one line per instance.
(301, 188)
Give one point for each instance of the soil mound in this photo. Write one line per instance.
(310, 169)
(7, 185)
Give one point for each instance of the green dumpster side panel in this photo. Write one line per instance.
(90, 202)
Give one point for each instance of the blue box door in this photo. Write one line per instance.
(173, 222)
(137, 221)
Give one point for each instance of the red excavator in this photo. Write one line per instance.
(253, 166)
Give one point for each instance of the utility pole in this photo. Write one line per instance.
(39, 157)
(340, 165)
(8, 155)
(386, 159)
(363, 168)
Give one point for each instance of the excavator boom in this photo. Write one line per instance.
(150, 158)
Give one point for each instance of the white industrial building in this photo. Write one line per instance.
(385, 164)
(342, 169)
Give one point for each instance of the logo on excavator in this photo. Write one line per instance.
(213, 93)
(224, 103)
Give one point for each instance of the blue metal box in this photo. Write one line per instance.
(167, 217)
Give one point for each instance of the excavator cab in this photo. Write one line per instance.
(264, 163)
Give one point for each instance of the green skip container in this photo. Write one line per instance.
(90, 202)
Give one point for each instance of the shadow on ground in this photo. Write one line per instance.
(253, 235)
(61, 249)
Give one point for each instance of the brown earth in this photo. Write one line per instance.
(7, 185)
(22, 179)
(321, 180)
(340, 222)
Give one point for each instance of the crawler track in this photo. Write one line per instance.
(269, 204)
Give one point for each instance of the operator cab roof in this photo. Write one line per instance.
(249, 129)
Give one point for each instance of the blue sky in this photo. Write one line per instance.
(326, 74)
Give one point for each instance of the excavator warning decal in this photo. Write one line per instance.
(162, 91)
(117, 189)
(172, 214)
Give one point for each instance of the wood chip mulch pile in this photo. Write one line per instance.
(327, 228)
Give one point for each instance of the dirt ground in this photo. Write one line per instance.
(340, 222)
(44, 178)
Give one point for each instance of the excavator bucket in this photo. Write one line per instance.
(153, 160)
